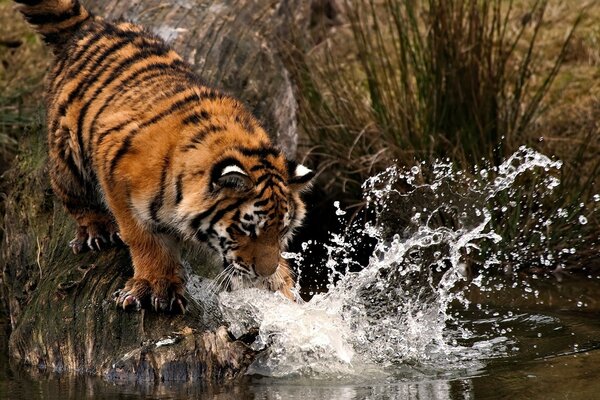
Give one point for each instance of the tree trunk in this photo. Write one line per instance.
(61, 308)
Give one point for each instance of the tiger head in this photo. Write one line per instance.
(250, 209)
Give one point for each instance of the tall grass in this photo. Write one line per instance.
(441, 78)
(464, 80)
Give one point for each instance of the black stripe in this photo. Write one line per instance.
(53, 18)
(264, 189)
(96, 70)
(140, 56)
(261, 203)
(201, 134)
(203, 237)
(197, 220)
(154, 89)
(80, 57)
(73, 168)
(159, 199)
(261, 152)
(123, 149)
(53, 38)
(269, 175)
(264, 164)
(111, 130)
(221, 213)
(29, 2)
(234, 228)
(196, 118)
(119, 90)
(211, 94)
(86, 52)
(95, 63)
(179, 189)
(127, 141)
(278, 190)
(223, 242)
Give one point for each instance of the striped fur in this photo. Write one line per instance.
(140, 150)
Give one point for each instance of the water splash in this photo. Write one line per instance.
(400, 308)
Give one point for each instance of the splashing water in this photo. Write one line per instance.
(399, 309)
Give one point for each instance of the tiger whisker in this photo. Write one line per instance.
(224, 283)
(215, 285)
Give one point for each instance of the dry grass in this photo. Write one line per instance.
(23, 62)
(399, 81)
(362, 109)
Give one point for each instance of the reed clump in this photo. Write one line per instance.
(469, 81)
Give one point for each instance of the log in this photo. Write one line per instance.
(62, 314)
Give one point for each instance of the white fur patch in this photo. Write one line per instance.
(233, 168)
(301, 171)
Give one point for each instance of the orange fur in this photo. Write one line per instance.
(140, 147)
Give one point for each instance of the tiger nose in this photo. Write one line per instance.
(267, 264)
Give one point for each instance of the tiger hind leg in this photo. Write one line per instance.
(96, 231)
(96, 227)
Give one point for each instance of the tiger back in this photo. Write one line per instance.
(140, 151)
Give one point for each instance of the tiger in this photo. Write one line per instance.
(143, 153)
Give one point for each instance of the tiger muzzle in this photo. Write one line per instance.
(266, 261)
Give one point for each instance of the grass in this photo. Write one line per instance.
(400, 81)
(23, 62)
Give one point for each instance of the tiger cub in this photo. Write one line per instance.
(141, 151)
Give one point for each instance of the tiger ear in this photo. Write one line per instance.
(300, 176)
(231, 176)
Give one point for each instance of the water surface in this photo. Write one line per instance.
(554, 354)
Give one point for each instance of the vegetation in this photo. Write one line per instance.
(401, 81)
(23, 62)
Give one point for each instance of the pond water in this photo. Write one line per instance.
(412, 322)
(554, 353)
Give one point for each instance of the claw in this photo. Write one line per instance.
(162, 296)
(129, 300)
(96, 236)
(90, 243)
(182, 306)
(76, 246)
(156, 303)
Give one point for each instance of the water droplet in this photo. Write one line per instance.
(583, 220)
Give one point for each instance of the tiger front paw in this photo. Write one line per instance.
(163, 294)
